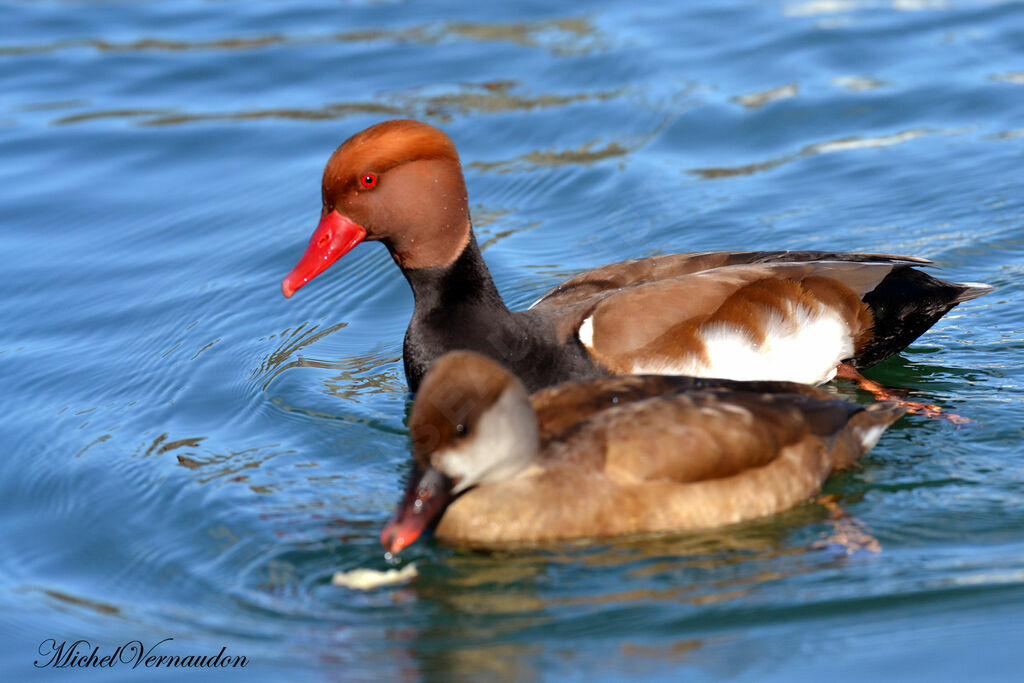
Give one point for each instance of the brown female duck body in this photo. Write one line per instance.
(783, 315)
(616, 455)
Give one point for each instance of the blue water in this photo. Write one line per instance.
(188, 455)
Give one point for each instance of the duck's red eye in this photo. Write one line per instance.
(368, 180)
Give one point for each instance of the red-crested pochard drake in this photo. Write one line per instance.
(755, 315)
(615, 455)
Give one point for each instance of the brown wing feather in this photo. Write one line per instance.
(598, 281)
(665, 319)
(695, 437)
(563, 409)
(712, 434)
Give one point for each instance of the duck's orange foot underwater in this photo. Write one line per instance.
(884, 393)
(848, 532)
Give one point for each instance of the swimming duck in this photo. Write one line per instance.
(751, 315)
(494, 465)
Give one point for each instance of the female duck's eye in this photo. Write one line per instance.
(368, 180)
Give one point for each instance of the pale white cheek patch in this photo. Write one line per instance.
(803, 348)
(502, 442)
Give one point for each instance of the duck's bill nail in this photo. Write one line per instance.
(425, 499)
(333, 238)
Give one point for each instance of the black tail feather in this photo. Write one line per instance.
(905, 304)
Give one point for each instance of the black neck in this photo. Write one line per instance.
(457, 307)
(465, 281)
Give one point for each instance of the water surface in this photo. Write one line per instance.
(189, 455)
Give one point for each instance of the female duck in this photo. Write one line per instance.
(613, 456)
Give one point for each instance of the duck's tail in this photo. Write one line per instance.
(863, 430)
(972, 290)
(904, 305)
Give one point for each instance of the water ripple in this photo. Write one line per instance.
(562, 37)
(188, 453)
(840, 145)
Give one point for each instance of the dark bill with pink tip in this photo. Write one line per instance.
(425, 498)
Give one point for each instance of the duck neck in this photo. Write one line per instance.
(457, 307)
(463, 282)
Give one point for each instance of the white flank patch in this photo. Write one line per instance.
(586, 332)
(806, 348)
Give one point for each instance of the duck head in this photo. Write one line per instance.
(398, 182)
(471, 424)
